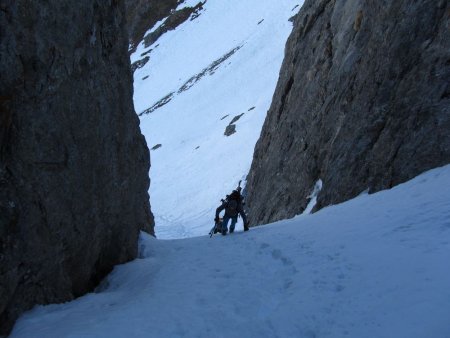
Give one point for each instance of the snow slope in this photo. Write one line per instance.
(375, 266)
(209, 70)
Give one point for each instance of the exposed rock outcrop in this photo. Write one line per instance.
(73, 163)
(231, 128)
(175, 19)
(210, 70)
(144, 14)
(362, 103)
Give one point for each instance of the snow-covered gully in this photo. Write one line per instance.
(375, 266)
(199, 77)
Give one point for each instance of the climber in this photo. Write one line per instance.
(233, 206)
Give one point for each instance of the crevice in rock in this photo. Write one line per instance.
(284, 96)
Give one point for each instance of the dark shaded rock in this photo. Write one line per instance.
(224, 117)
(139, 63)
(175, 19)
(236, 118)
(362, 103)
(260, 21)
(73, 163)
(147, 52)
(251, 108)
(165, 100)
(230, 130)
(143, 15)
(210, 70)
(157, 146)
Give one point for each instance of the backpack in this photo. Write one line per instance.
(234, 202)
(231, 208)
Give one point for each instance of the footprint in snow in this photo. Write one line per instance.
(264, 246)
(276, 254)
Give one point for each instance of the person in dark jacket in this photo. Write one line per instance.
(233, 207)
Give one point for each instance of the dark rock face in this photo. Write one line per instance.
(144, 14)
(362, 102)
(73, 163)
(175, 19)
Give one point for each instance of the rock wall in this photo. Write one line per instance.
(73, 163)
(362, 103)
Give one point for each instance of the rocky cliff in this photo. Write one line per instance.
(362, 103)
(73, 163)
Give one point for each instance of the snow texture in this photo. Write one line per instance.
(375, 266)
(313, 197)
(224, 62)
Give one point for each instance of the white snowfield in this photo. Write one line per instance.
(375, 266)
(197, 164)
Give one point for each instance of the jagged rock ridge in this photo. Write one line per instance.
(144, 14)
(73, 163)
(175, 19)
(362, 103)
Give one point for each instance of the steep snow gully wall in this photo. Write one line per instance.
(362, 102)
(73, 163)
